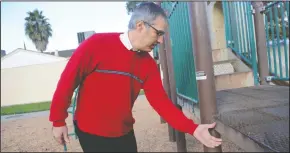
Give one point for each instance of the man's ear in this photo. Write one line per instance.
(139, 26)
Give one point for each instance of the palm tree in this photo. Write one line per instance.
(38, 29)
(131, 5)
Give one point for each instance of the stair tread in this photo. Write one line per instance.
(232, 73)
(225, 61)
(224, 68)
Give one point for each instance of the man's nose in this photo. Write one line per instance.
(160, 39)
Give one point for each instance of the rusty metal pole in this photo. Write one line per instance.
(166, 83)
(164, 66)
(180, 136)
(165, 79)
(203, 55)
(261, 42)
(157, 60)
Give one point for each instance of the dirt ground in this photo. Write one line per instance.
(34, 134)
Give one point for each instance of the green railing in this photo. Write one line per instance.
(72, 110)
(240, 32)
(181, 44)
(277, 13)
(155, 53)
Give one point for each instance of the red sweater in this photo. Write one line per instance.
(104, 105)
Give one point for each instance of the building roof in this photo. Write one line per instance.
(21, 49)
(3, 53)
(21, 57)
(62, 53)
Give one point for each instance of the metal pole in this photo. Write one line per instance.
(162, 121)
(261, 42)
(180, 136)
(163, 67)
(202, 47)
(166, 83)
(157, 60)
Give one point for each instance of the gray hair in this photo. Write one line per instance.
(145, 11)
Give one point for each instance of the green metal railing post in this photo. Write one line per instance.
(277, 32)
(277, 28)
(273, 44)
(268, 49)
(243, 35)
(253, 45)
(285, 40)
(226, 20)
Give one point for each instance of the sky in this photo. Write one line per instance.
(66, 19)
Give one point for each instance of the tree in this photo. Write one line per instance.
(131, 5)
(281, 18)
(38, 29)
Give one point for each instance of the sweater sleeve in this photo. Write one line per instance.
(80, 64)
(161, 103)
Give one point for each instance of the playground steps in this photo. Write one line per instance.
(230, 72)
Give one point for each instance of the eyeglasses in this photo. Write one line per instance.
(159, 32)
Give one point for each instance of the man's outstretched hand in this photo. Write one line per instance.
(202, 134)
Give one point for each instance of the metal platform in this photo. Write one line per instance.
(255, 118)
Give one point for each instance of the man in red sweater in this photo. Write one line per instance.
(110, 69)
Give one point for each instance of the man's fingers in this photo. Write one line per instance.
(66, 138)
(211, 143)
(212, 125)
(215, 143)
(216, 139)
(59, 140)
(60, 134)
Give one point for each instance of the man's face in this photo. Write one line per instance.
(151, 34)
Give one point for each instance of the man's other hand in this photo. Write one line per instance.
(60, 134)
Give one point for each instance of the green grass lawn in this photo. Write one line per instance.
(25, 108)
(33, 107)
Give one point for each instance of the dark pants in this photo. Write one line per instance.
(94, 143)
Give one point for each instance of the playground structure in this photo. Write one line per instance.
(225, 62)
(235, 45)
